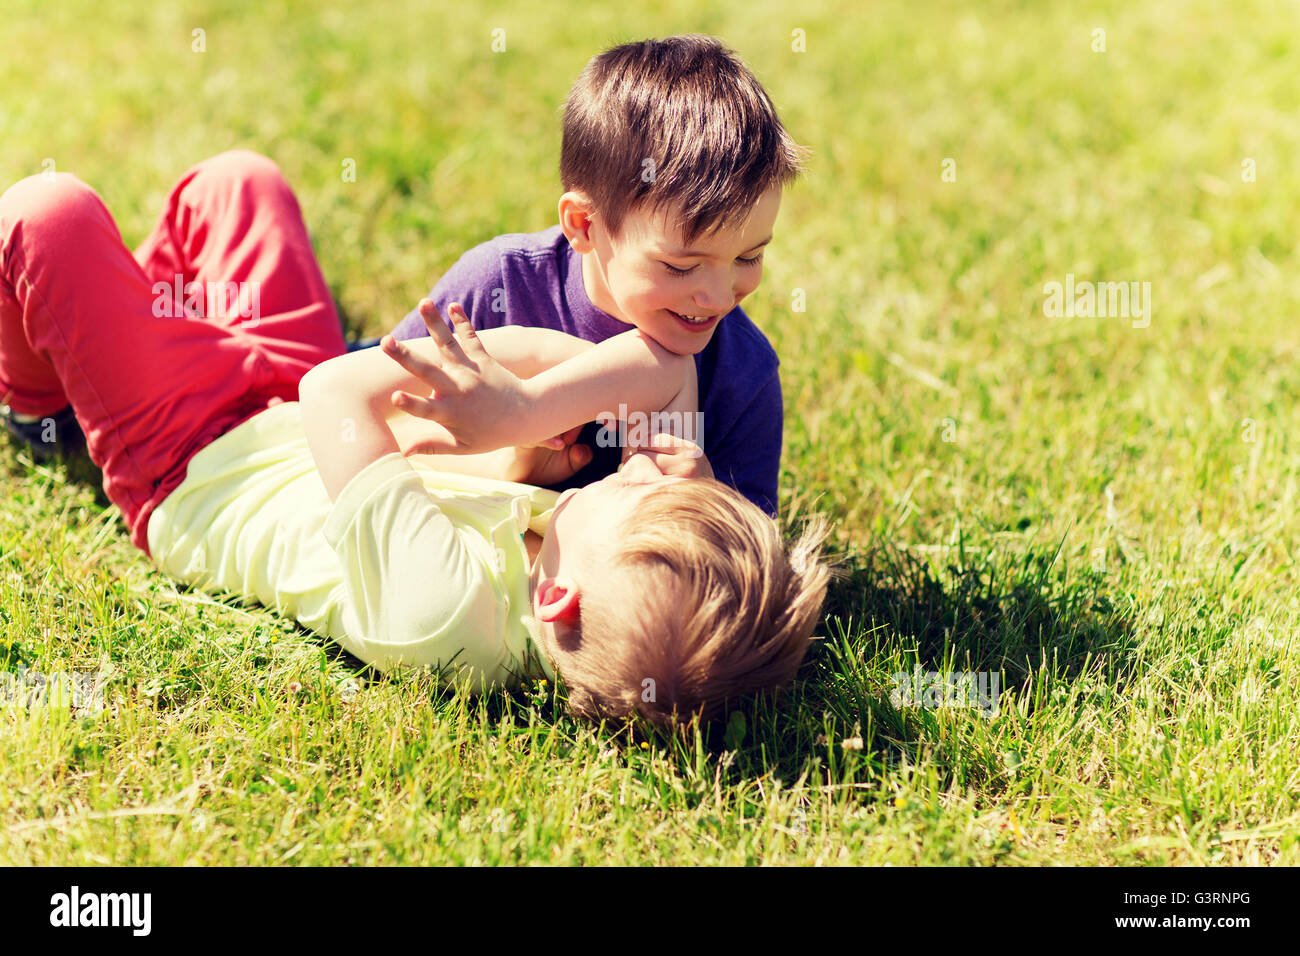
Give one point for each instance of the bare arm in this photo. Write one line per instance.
(348, 414)
(350, 421)
(522, 350)
(481, 405)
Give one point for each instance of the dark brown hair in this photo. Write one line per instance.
(674, 121)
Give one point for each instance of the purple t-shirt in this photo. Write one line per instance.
(535, 279)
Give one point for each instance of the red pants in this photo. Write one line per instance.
(154, 366)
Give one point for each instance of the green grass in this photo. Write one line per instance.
(1101, 513)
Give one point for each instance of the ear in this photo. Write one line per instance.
(557, 600)
(576, 214)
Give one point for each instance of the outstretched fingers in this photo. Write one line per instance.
(465, 331)
(449, 344)
(431, 408)
(416, 364)
(438, 330)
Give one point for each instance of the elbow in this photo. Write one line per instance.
(310, 382)
(319, 380)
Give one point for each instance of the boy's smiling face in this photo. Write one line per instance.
(649, 277)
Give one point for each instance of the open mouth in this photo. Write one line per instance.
(695, 323)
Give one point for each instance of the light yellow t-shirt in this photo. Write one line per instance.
(410, 566)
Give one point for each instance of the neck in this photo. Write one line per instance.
(593, 283)
(533, 545)
(535, 569)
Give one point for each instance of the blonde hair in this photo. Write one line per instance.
(700, 602)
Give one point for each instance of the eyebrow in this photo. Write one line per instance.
(705, 255)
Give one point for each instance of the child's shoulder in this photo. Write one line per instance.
(742, 343)
(525, 245)
(530, 257)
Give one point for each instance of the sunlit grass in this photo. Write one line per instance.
(1102, 514)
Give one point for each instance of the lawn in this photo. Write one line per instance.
(1097, 509)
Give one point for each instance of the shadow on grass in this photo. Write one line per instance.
(80, 470)
(889, 612)
(1015, 615)
(997, 612)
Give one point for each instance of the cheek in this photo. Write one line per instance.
(748, 281)
(647, 292)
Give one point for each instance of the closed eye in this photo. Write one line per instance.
(673, 270)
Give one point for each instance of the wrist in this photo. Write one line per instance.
(530, 407)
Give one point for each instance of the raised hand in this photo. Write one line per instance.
(477, 401)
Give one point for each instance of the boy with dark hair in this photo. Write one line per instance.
(673, 162)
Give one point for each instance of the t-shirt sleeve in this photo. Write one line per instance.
(748, 456)
(475, 282)
(418, 591)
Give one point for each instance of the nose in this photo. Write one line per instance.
(641, 468)
(717, 297)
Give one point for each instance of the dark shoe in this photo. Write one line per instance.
(61, 428)
(364, 344)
